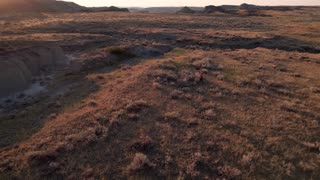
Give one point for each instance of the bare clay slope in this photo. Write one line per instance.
(19, 67)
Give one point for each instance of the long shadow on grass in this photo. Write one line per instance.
(22, 122)
(238, 42)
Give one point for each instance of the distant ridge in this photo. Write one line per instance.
(212, 9)
(107, 9)
(275, 8)
(186, 10)
(163, 9)
(39, 6)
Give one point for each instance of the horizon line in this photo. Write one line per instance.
(202, 6)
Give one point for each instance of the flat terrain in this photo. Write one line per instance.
(175, 96)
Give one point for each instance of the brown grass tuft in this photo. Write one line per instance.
(140, 163)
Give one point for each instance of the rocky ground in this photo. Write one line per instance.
(154, 96)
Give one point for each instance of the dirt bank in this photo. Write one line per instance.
(18, 68)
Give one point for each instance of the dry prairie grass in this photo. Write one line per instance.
(237, 98)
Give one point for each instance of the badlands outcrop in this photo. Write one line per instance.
(18, 68)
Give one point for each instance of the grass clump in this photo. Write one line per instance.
(140, 163)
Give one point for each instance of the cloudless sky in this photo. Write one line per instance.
(155, 3)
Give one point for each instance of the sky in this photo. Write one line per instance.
(158, 3)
